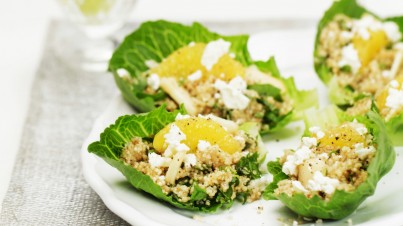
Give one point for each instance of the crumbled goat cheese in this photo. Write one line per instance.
(153, 81)
(309, 141)
(191, 44)
(362, 151)
(190, 160)
(232, 93)
(386, 73)
(398, 46)
(298, 186)
(213, 52)
(157, 160)
(122, 72)
(232, 55)
(392, 31)
(202, 145)
(261, 182)
(323, 183)
(195, 76)
(151, 63)
(290, 165)
(179, 116)
(360, 128)
(173, 138)
(349, 57)
(365, 24)
(317, 131)
(394, 84)
(395, 99)
(347, 35)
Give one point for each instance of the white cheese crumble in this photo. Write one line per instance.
(195, 76)
(190, 160)
(173, 138)
(362, 151)
(392, 31)
(394, 84)
(290, 165)
(191, 44)
(153, 81)
(395, 99)
(298, 186)
(232, 93)
(157, 160)
(179, 116)
(202, 145)
(309, 141)
(349, 57)
(347, 35)
(122, 72)
(322, 183)
(317, 131)
(366, 23)
(359, 127)
(261, 182)
(151, 63)
(213, 52)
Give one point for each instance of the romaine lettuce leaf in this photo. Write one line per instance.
(349, 8)
(156, 40)
(341, 203)
(146, 125)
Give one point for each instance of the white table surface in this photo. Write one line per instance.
(23, 26)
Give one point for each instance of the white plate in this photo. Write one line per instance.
(293, 50)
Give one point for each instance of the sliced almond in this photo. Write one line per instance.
(230, 126)
(255, 76)
(179, 94)
(174, 167)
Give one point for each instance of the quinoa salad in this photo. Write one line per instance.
(213, 75)
(337, 165)
(334, 159)
(364, 55)
(196, 162)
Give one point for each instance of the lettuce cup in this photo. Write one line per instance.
(360, 57)
(173, 64)
(199, 163)
(335, 168)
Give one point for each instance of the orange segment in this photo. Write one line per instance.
(344, 135)
(196, 129)
(187, 60)
(368, 49)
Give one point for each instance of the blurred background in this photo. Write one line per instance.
(24, 25)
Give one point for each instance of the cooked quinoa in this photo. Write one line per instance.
(211, 169)
(326, 161)
(208, 100)
(363, 62)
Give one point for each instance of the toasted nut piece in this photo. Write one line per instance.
(255, 76)
(179, 94)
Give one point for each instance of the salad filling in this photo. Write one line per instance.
(173, 64)
(197, 153)
(364, 55)
(334, 159)
(200, 163)
(336, 167)
(208, 80)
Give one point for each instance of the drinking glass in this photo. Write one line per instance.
(98, 20)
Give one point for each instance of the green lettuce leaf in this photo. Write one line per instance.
(157, 40)
(342, 203)
(146, 125)
(349, 8)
